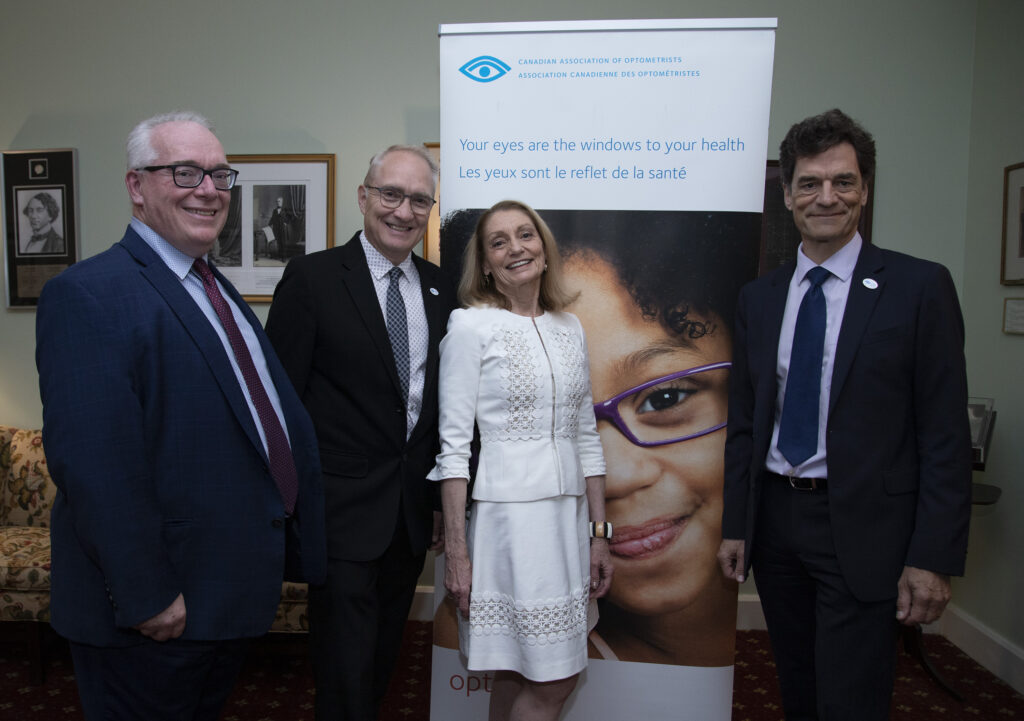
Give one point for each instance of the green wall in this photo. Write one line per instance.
(936, 81)
(993, 589)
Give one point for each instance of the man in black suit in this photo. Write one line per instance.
(850, 494)
(280, 222)
(360, 342)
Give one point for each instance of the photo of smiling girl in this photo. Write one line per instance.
(657, 293)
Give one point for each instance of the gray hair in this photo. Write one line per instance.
(418, 150)
(140, 147)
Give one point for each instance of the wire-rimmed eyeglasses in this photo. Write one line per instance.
(191, 176)
(671, 409)
(394, 197)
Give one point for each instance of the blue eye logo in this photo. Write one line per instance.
(484, 69)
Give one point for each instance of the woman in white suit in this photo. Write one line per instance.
(526, 571)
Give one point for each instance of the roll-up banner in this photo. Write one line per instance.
(642, 145)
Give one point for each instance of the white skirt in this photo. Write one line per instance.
(529, 608)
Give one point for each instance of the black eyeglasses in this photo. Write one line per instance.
(394, 197)
(191, 176)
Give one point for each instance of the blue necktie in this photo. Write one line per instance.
(398, 329)
(798, 429)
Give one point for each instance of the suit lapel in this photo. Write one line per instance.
(356, 278)
(432, 307)
(198, 327)
(774, 310)
(860, 304)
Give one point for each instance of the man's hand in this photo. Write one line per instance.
(169, 623)
(730, 558)
(923, 596)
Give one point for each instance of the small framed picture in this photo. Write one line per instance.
(282, 206)
(41, 233)
(1013, 225)
(1013, 316)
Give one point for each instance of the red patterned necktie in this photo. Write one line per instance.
(282, 465)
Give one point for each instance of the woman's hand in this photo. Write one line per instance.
(600, 567)
(458, 571)
(458, 579)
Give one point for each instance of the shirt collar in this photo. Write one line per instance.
(840, 264)
(179, 263)
(379, 265)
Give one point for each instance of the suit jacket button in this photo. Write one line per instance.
(277, 523)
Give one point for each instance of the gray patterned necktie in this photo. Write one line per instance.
(398, 330)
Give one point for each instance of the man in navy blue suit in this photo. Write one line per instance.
(186, 466)
(848, 454)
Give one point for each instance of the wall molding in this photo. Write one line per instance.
(422, 604)
(749, 616)
(996, 653)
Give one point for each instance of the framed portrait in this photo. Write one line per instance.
(432, 238)
(1013, 316)
(282, 206)
(1013, 225)
(779, 235)
(41, 229)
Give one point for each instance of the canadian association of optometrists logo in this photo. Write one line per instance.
(484, 69)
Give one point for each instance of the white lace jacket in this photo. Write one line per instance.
(526, 383)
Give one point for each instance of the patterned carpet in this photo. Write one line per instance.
(276, 686)
(916, 697)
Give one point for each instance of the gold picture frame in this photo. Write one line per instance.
(432, 238)
(1011, 265)
(282, 206)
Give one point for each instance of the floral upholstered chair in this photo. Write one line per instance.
(292, 614)
(26, 496)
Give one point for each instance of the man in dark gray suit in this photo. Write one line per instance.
(848, 454)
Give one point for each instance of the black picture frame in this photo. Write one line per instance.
(41, 212)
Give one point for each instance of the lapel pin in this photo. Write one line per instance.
(433, 291)
(870, 283)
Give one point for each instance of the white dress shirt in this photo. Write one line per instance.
(415, 318)
(181, 265)
(836, 289)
